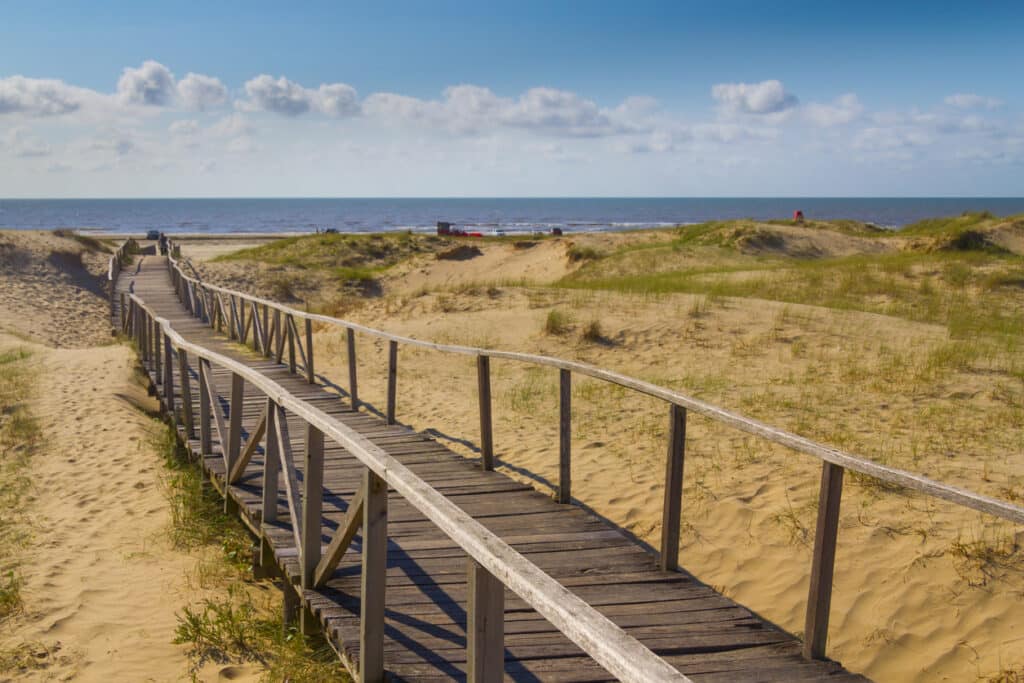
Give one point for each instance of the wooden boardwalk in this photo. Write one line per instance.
(703, 634)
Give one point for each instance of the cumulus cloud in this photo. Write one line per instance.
(877, 139)
(39, 97)
(282, 96)
(151, 84)
(972, 101)
(184, 127)
(844, 109)
(22, 144)
(766, 97)
(200, 92)
(472, 108)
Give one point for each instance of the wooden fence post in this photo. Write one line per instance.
(672, 508)
(819, 595)
(353, 386)
(271, 466)
(483, 381)
(564, 436)
(312, 503)
(205, 437)
(235, 424)
(186, 394)
(157, 352)
(310, 376)
(169, 380)
(290, 324)
(392, 380)
(122, 312)
(266, 332)
(485, 625)
(374, 578)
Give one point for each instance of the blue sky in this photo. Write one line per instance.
(523, 99)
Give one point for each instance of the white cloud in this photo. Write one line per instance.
(151, 84)
(876, 139)
(288, 98)
(766, 97)
(184, 127)
(39, 96)
(231, 126)
(200, 92)
(843, 110)
(729, 133)
(472, 109)
(23, 144)
(972, 101)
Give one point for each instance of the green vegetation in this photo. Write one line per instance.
(902, 284)
(90, 243)
(236, 627)
(557, 322)
(19, 438)
(348, 257)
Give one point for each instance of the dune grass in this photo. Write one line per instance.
(19, 438)
(236, 625)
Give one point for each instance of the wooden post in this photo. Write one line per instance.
(312, 506)
(157, 351)
(485, 625)
(279, 332)
(290, 324)
(310, 377)
(169, 380)
(234, 444)
(819, 596)
(266, 337)
(374, 578)
(242, 330)
(564, 436)
(672, 509)
(143, 337)
(186, 394)
(233, 322)
(205, 437)
(392, 380)
(353, 386)
(122, 312)
(483, 382)
(271, 466)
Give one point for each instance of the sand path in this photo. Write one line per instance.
(101, 582)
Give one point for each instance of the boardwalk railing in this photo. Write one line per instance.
(491, 563)
(114, 269)
(275, 327)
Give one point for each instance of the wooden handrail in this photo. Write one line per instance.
(610, 646)
(891, 475)
(834, 460)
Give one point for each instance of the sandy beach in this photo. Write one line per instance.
(102, 586)
(924, 590)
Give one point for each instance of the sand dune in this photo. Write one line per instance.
(101, 583)
(924, 590)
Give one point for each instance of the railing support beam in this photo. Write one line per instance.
(485, 625)
(673, 504)
(483, 377)
(819, 595)
(564, 436)
(374, 578)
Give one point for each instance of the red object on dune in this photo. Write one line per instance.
(798, 216)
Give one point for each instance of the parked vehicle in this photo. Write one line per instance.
(153, 235)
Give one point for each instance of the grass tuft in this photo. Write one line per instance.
(557, 322)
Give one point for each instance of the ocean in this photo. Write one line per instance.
(485, 215)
